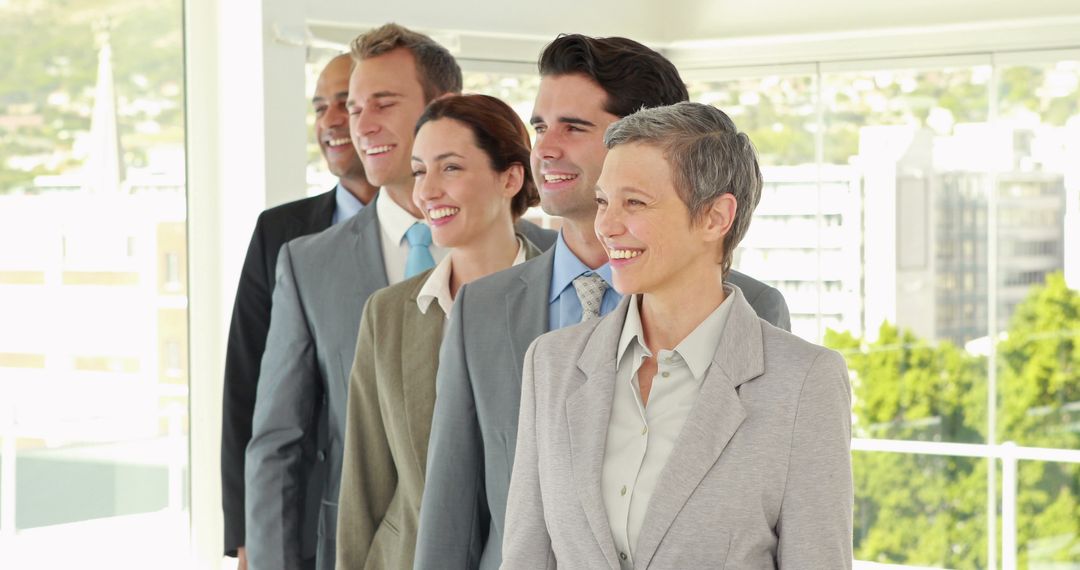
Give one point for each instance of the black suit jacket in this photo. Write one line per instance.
(247, 340)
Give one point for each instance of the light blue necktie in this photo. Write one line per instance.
(419, 259)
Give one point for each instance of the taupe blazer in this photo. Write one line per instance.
(760, 476)
(391, 398)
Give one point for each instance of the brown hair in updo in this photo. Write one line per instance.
(498, 131)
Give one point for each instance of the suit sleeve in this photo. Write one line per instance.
(454, 515)
(771, 306)
(247, 339)
(527, 543)
(815, 526)
(778, 313)
(286, 404)
(368, 474)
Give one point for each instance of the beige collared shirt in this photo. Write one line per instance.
(394, 221)
(640, 438)
(437, 286)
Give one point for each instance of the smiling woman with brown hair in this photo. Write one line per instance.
(470, 161)
(681, 430)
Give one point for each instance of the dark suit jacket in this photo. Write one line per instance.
(247, 340)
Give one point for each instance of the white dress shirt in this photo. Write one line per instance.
(437, 286)
(640, 438)
(394, 221)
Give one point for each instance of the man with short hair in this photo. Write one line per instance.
(251, 311)
(322, 284)
(586, 84)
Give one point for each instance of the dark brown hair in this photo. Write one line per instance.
(632, 75)
(437, 70)
(498, 131)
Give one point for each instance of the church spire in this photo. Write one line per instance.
(104, 171)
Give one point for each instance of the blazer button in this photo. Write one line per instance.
(321, 456)
(622, 555)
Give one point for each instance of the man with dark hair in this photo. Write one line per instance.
(251, 311)
(586, 84)
(322, 283)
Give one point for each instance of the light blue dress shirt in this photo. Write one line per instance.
(345, 205)
(564, 308)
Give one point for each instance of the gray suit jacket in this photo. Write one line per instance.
(474, 427)
(323, 281)
(760, 476)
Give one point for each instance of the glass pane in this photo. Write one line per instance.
(1038, 238)
(920, 510)
(1048, 515)
(918, 146)
(785, 247)
(777, 111)
(93, 345)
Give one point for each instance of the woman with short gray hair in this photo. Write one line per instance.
(680, 431)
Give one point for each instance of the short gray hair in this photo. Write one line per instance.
(708, 155)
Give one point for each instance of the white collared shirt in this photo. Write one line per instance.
(394, 221)
(640, 438)
(437, 286)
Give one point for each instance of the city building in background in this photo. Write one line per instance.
(93, 276)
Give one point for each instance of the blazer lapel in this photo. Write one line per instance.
(712, 422)
(367, 247)
(527, 306)
(421, 337)
(588, 410)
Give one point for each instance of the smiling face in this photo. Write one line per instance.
(332, 119)
(385, 100)
(569, 119)
(461, 196)
(646, 229)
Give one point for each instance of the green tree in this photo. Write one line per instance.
(930, 510)
(50, 68)
(917, 509)
(1039, 395)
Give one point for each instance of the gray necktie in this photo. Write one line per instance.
(590, 289)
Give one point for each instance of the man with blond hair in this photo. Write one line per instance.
(251, 311)
(323, 282)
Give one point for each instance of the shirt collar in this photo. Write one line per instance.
(437, 285)
(393, 219)
(346, 205)
(697, 349)
(568, 267)
(437, 288)
(631, 331)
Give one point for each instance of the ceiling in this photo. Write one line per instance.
(670, 21)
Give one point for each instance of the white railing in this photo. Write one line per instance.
(1008, 453)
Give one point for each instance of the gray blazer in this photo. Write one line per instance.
(323, 281)
(474, 426)
(760, 476)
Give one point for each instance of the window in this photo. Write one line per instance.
(920, 285)
(95, 438)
